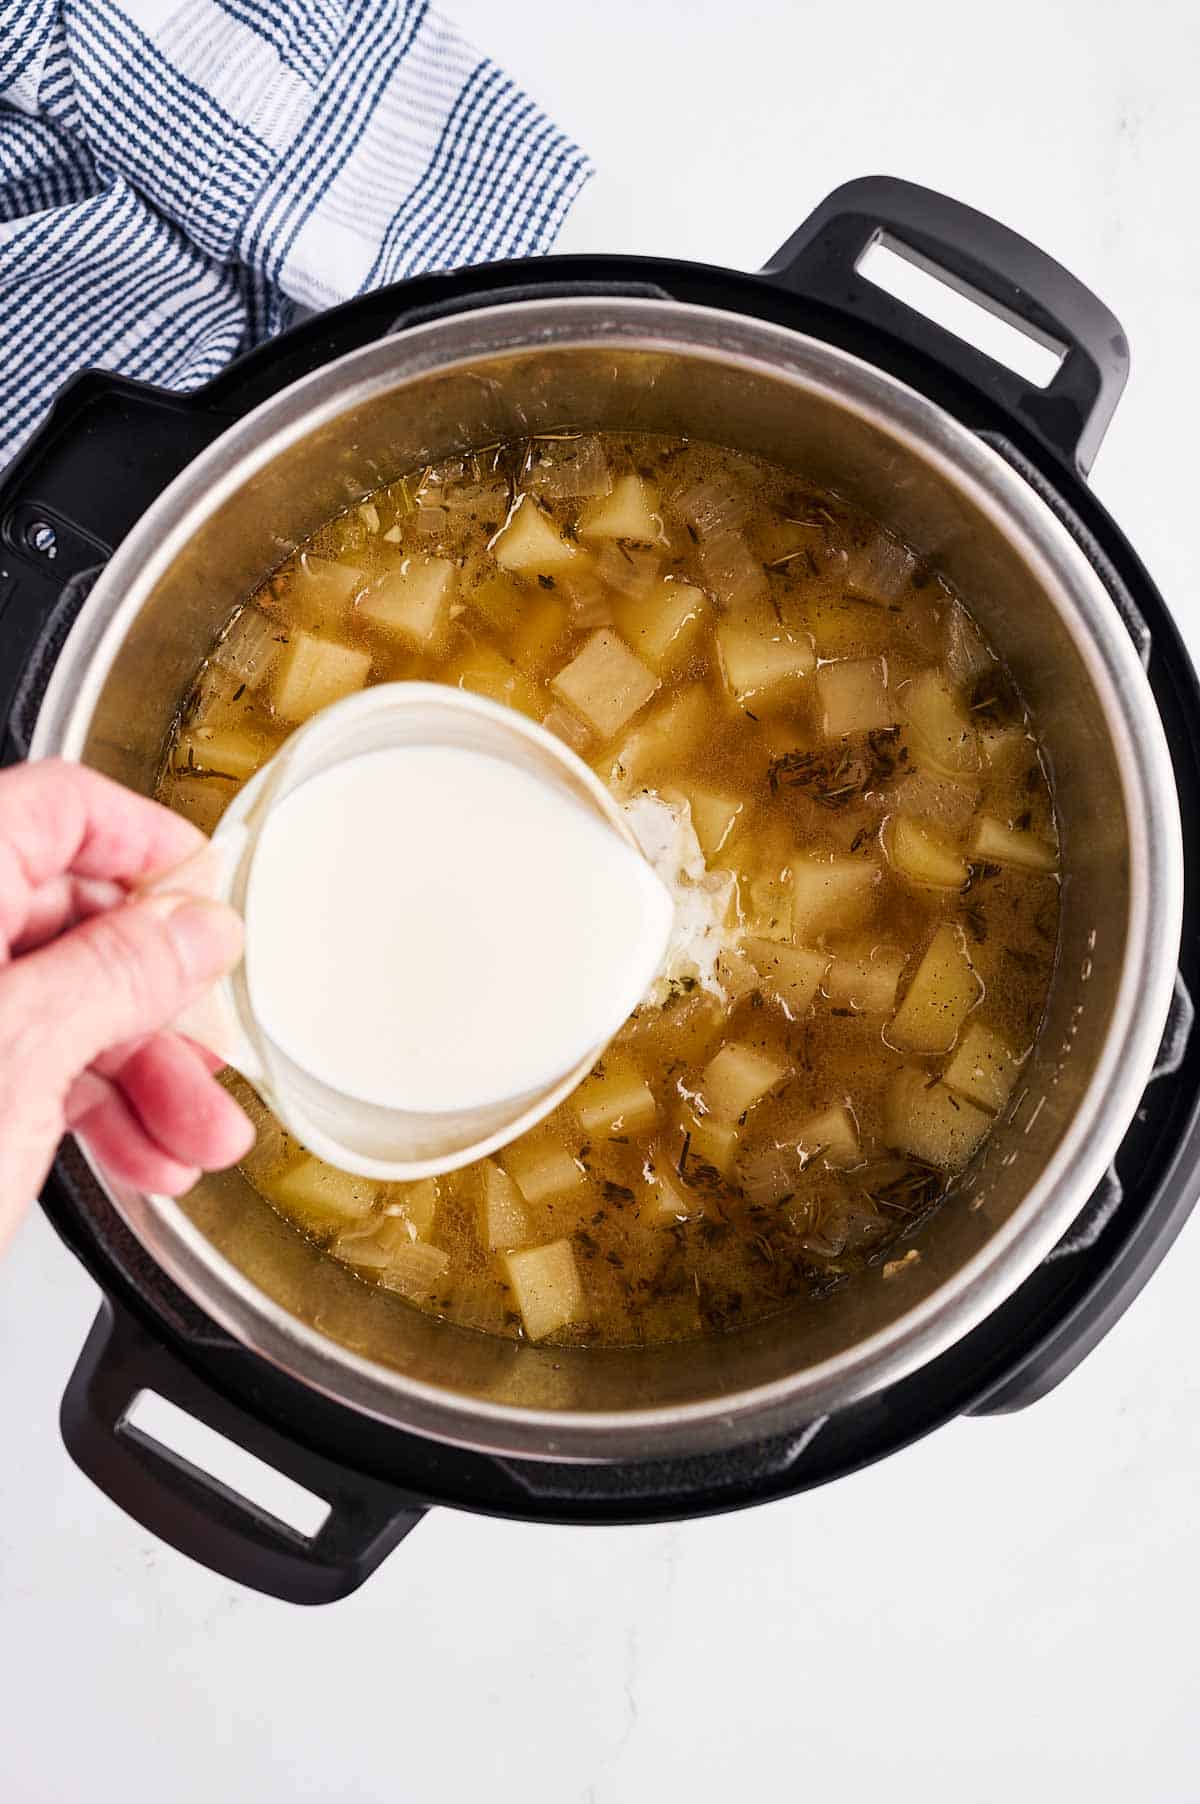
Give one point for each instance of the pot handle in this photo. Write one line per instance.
(196, 1513)
(991, 265)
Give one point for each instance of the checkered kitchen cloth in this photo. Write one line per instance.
(176, 175)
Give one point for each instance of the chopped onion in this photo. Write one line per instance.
(414, 1270)
(567, 469)
(711, 508)
(569, 728)
(248, 646)
(772, 1175)
(731, 571)
(629, 569)
(881, 569)
(368, 513)
(589, 601)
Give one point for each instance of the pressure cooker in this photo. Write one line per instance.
(135, 521)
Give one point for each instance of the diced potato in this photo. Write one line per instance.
(713, 817)
(320, 1196)
(629, 512)
(222, 749)
(248, 647)
(761, 662)
(708, 1141)
(501, 600)
(923, 857)
(606, 683)
(313, 673)
(663, 627)
(485, 671)
(994, 843)
(695, 1020)
(737, 1078)
(663, 1198)
(865, 980)
(735, 973)
(984, 1068)
(617, 1100)
(832, 1133)
(530, 543)
(414, 1203)
(853, 693)
(927, 1121)
(831, 894)
(541, 626)
(767, 909)
(569, 728)
(944, 990)
(413, 601)
(948, 804)
(545, 1282)
(415, 1270)
(667, 736)
(323, 590)
(542, 1169)
(505, 1217)
(943, 733)
(791, 973)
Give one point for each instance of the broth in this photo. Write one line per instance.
(866, 792)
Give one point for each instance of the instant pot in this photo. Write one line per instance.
(135, 521)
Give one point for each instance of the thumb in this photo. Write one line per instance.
(115, 977)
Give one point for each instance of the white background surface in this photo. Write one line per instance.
(1008, 1608)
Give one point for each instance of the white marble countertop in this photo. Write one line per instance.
(1007, 1608)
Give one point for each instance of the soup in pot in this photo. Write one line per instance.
(825, 761)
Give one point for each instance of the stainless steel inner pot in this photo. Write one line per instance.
(243, 505)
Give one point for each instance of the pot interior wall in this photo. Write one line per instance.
(813, 434)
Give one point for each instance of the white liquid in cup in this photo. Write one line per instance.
(431, 928)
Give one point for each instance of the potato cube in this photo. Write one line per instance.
(943, 733)
(737, 1078)
(542, 1169)
(323, 590)
(413, 601)
(947, 804)
(415, 1270)
(923, 857)
(707, 1141)
(223, 749)
(864, 980)
(530, 544)
(994, 843)
(663, 1197)
(201, 800)
(713, 817)
(414, 1203)
(853, 693)
(929, 1122)
(485, 671)
(762, 661)
(629, 512)
(538, 632)
(319, 1196)
(505, 1218)
(944, 990)
(792, 974)
(315, 672)
(663, 627)
(832, 1134)
(501, 600)
(616, 1099)
(667, 736)
(545, 1282)
(983, 1069)
(830, 894)
(605, 683)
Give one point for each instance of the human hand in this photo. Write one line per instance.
(90, 978)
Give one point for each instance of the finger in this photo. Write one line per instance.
(121, 975)
(57, 817)
(60, 903)
(183, 1109)
(117, 1140)
(110, 1063)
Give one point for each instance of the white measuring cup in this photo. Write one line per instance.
(395, 1143)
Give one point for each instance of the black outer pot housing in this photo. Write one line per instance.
(109, 447)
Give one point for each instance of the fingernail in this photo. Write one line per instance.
(207, 935)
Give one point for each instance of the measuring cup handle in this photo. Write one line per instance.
(212, 1020)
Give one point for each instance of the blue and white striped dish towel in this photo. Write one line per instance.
(176, 175)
